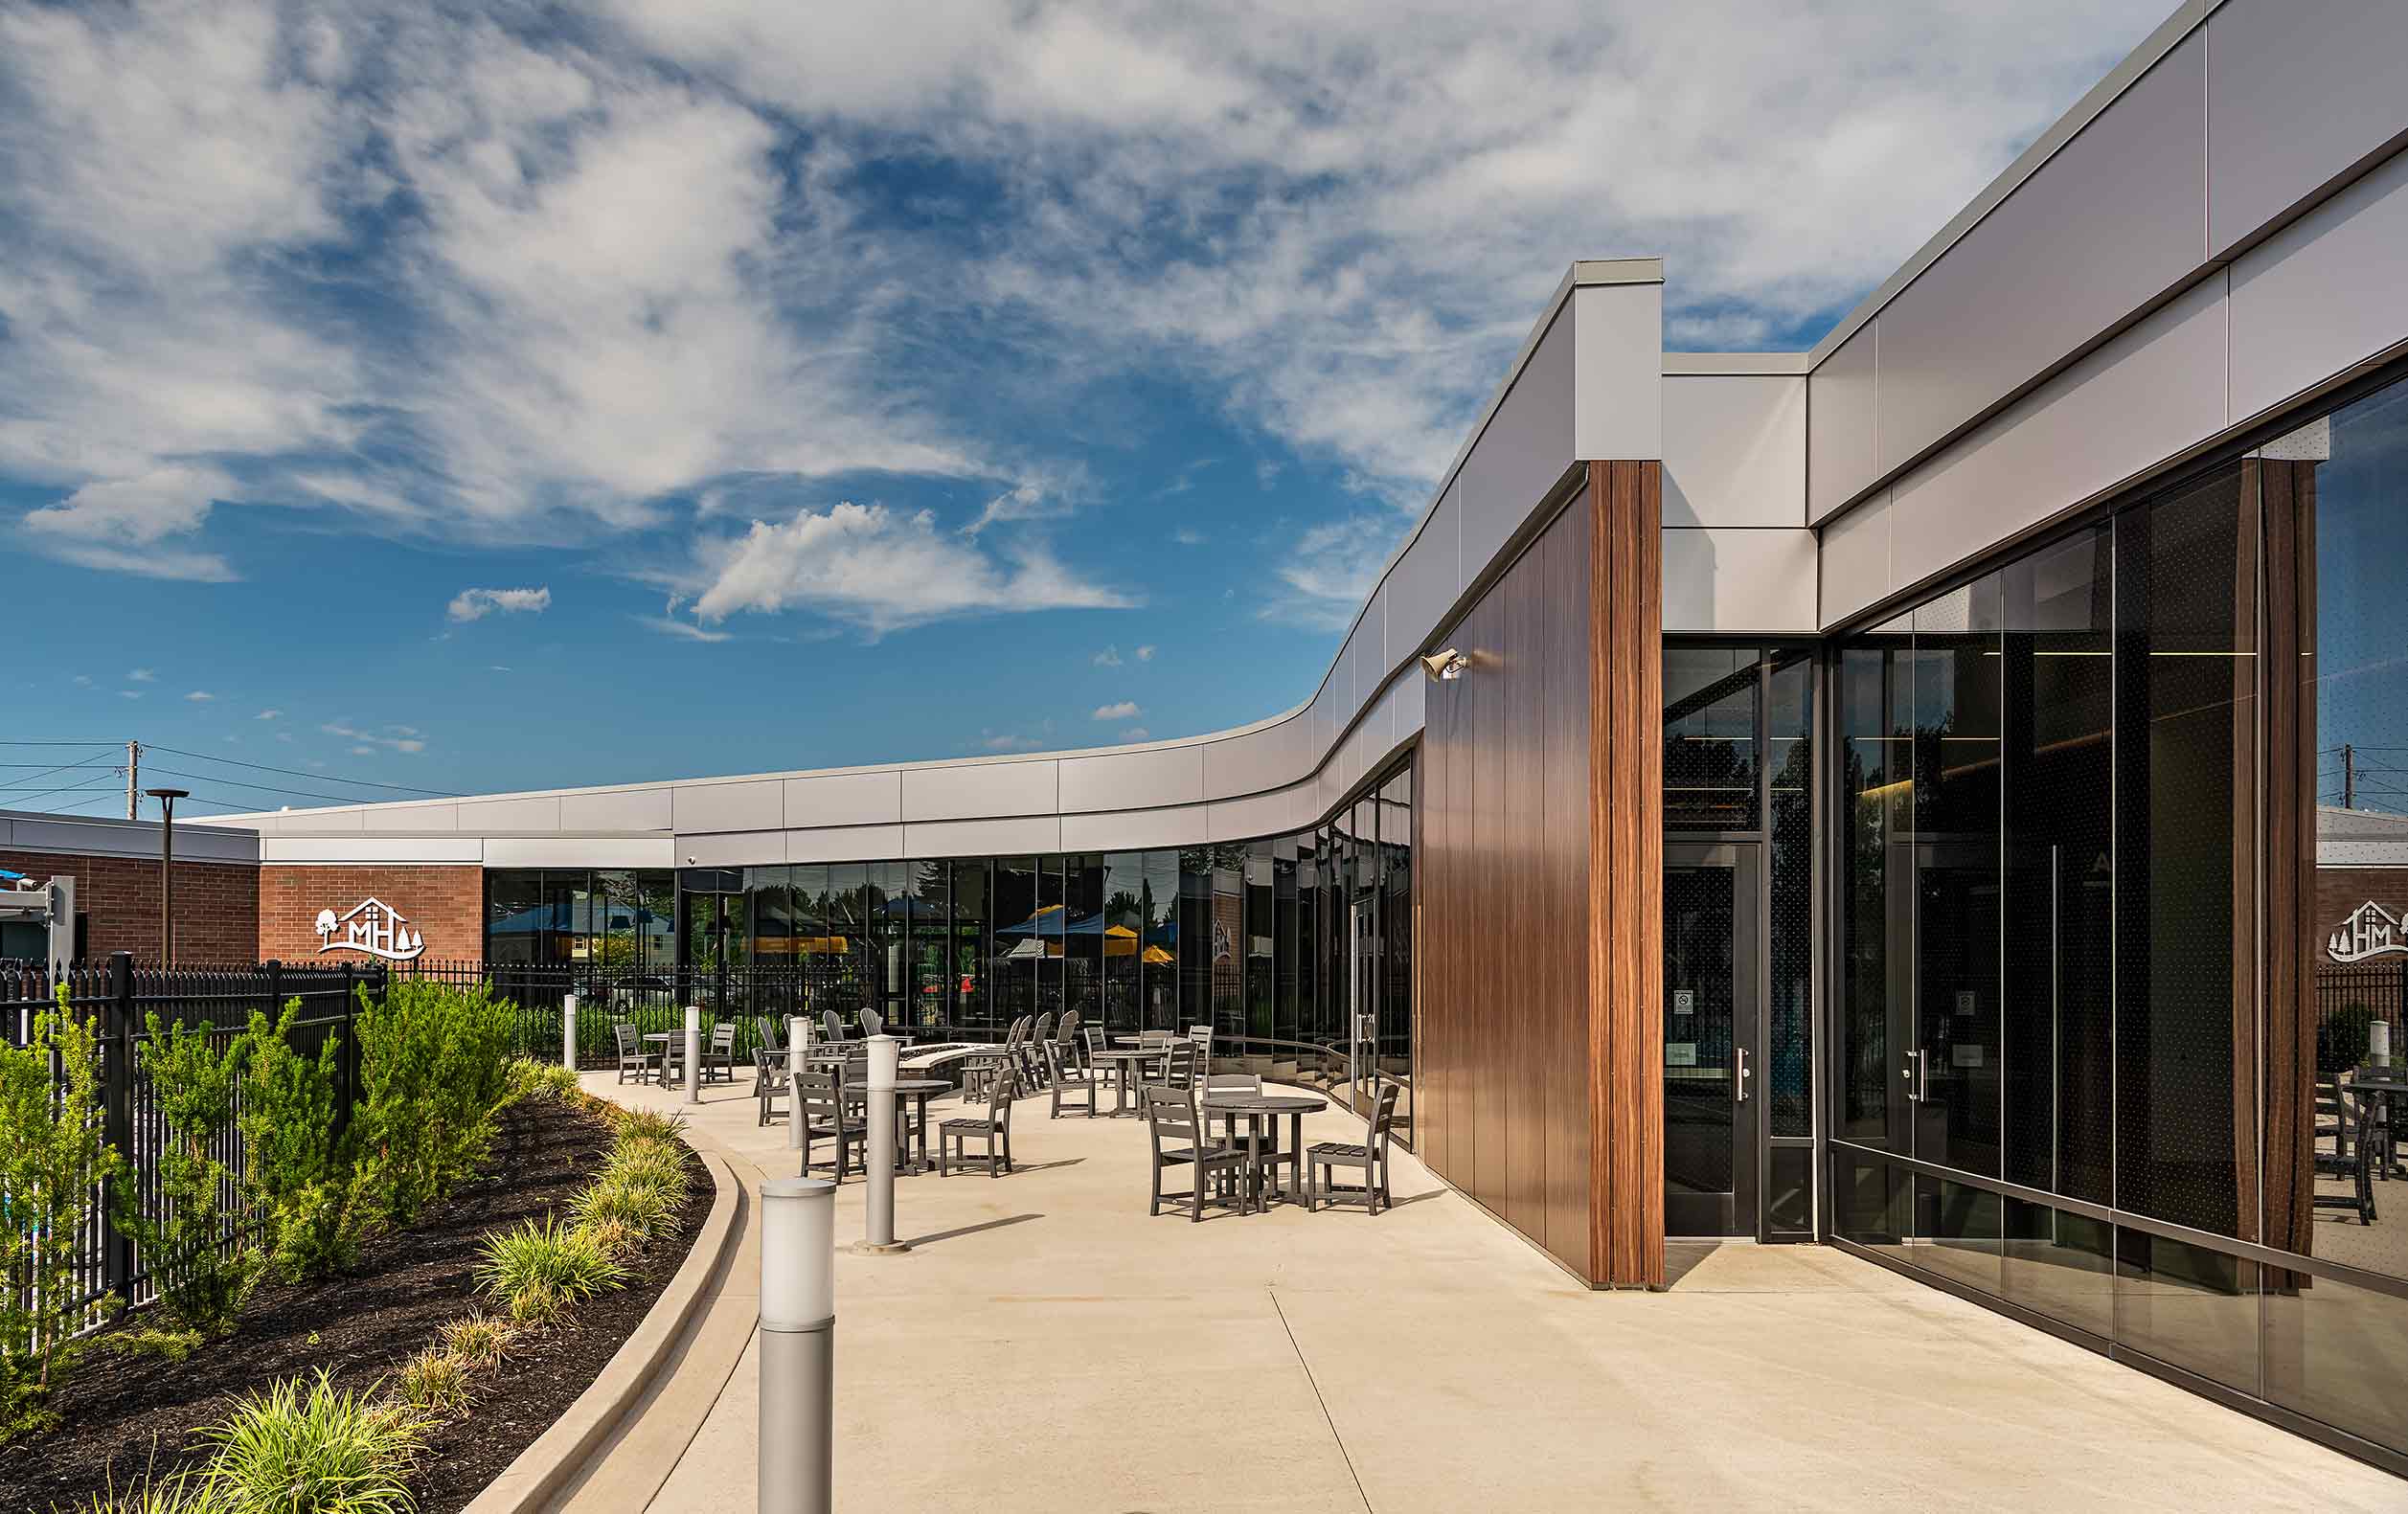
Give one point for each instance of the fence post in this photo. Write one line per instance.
(117, 1120)
(568, 1031)
(346, 1056)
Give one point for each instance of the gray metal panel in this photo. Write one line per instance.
(1526, 448)
(1735, 451)
(420, 817)
(2298, 91)
(757, 805)
(427, 851)
(1134, 780)
(1410, 695)
(976, 790)
(732, 848)
(1325, 717)
(1732, 579)
(119, 838)
(2154, 391)
(625, 810)
(1258, 760)
(479, 817)
(580, 852)
(1618, 368)
(1422, 587)
(845, 798)
(1841, 410)
(1246, 818)
(1181, 826)
(846, 844)
(2114, 219)
(2327, 291)
(1856, 560)
(980, 838)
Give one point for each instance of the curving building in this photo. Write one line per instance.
(1868, 795)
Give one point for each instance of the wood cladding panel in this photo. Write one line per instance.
(1626, 894)
(1563, 912)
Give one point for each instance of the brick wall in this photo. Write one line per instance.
(445, 904)
(2341, 889)
(217, 904)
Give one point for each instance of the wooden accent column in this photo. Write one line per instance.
(2286, 491)
(1626, 903)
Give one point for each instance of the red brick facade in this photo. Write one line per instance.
(217, 904)
(443, 904)
(2340, 891)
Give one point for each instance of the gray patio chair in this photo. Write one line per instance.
(1323, 1158)
(1179, 1139)
(833, 1023)
(769, 1083)
(978, 1069)
(631, 1052)
(2341, 1120)
(1032, 1055)
(1178, 1065)
(1068, 1075)
(719, 1053)
(993, 1128)
(771, 1031)
(872, 1023)
(1267, 1144)
(1202, 1037)
(819, 1103)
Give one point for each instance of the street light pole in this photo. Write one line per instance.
(166, 798)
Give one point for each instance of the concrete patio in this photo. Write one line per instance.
(1047, 1346)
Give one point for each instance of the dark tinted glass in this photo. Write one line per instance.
(1710, 739)
(1789, 998)
(513, 915)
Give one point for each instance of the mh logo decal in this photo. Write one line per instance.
(2370, 930)
(371, 926)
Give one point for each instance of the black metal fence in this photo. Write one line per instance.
(120, 995)
(2350, 998)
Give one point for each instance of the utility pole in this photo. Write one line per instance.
(133, 779)
(2348, 776)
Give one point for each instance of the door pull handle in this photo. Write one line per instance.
(1743, 1074)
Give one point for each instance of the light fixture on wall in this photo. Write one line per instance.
(1446, 666)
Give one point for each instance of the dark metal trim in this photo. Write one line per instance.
(2127, 1219)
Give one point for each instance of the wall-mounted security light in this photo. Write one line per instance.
(1446, 666)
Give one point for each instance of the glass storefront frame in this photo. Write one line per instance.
(2085, 1254)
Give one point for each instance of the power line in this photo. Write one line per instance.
(290, 772)
(8, 742)
(109, 779)
(268, 788)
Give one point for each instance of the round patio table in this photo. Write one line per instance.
(666, 1039)
(1122, 1079)
(1257, 1108)
(919, 1090)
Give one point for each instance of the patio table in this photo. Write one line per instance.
(1256, 1108)
(919, 1090)
(660, 1063)
(1123, 1086)
(2387, 1087)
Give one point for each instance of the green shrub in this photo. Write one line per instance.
(53, 1160)
(528, 1078)
(641, 1124)
(297, 1175)
(646, 1159)
(190, 1491)
(616, 1238)
(478, 1339)
(539, 1270)
(643, 1207)
(432, 1071)
(433, 1382)
(187, 1249)
(316, 1451)
(2341, 1040)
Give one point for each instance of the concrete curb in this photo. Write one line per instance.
(530, 1482)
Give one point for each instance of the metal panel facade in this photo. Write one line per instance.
(977, 789)
(2298, 91)
(2322, 293)
(845, 798)
(1734, 450)
(1841, 416)
(1737, 579)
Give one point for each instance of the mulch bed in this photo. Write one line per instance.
(122, 1414)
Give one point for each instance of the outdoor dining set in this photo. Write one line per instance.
(1224, 1126)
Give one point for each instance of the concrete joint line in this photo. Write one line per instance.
(1314, 1384)
(540, 1472)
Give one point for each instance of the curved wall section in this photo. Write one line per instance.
(1586, 378)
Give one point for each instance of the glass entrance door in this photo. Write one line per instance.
(1710, 1039)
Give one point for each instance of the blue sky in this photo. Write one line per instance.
(473, 398)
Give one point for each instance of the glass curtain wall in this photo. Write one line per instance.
(2114, 822)
(1297, 949)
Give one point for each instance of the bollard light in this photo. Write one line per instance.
(877, 1235)
(568, 1031)
(797, 1346)
(798, 1042)
(693, 1053)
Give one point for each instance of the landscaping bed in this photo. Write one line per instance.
(124, 1413)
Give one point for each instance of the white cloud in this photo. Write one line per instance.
(142, 675)
(84, 679)
(1110, 657)
(475, 605)
(882, 570)
(366, 743)
(670, 626)
(200, 696)
(1125, 710)
(1187, 536)
(269, 714)
(1137, 734)
(1331, 568)
(1009, 742)
(1145, 654)
(129, 693)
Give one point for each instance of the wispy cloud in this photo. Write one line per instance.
(269, 714)
(684, 630)
(1123, 710)
(1146, 653)
(1110, 657)
(141, 675)
(200, 696)
(367, 743)
(1137, 734)
(475, 605)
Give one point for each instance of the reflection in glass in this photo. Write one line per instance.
(1709, 702)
